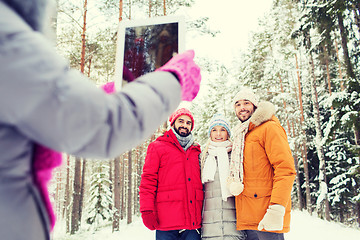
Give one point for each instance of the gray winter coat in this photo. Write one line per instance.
(219, 220)
(43, 101)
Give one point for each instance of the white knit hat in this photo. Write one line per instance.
(246, 94)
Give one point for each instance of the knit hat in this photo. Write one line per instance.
(219, 120)
(178, 113)
(246, 94)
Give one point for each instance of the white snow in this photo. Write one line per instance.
(303, 227)
(306, 227)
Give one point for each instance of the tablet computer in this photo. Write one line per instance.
(145, 45)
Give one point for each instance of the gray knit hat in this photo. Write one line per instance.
(219, 120)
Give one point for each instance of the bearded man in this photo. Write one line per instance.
(262, 170)
(171, 192)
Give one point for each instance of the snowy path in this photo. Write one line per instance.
(303, 227)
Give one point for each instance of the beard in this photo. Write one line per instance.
(244, 120)
(243, 116)
(183, 134)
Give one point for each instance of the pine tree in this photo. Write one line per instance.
(100, 197)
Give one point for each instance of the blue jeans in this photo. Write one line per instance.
(258, 235)
(178, 235)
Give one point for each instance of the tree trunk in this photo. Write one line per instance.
(298, 187)
(129, 9)
(342, 87)
(323, 188)
(66, 211)
(83, 39)
(297, 179)
(135, 187)
(89, 67)
(112, 182)
(349, 67)
(139, 170)
(81, 203)
(150, 8)
(129, 204)
(304, 150)
(117, 186)
(342, 208)
(326, 58)
(122, 188)
(284, 103)
(358, 213)
(164, 4)
(357, 137)
(355, 128)
(76, 197)
(120, 10)
(357, 15)
(58, 192)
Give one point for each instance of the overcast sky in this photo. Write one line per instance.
(233, 18)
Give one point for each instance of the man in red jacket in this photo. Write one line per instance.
(171, 192)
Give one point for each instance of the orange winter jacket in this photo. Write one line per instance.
(269, 170)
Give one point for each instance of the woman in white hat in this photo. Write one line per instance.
(219, 220)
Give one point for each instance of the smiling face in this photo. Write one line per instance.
(219, 134)
(244, 109)
(182, 125)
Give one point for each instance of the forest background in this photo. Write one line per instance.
(303, 57)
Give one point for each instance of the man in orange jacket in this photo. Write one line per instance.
(262, 170)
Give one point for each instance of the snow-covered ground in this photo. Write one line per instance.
(303, 227)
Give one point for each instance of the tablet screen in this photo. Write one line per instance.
(143, 46)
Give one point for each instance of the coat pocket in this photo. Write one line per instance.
(170, 208)
(252, 204)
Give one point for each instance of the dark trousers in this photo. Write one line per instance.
(178, 235)
(257, 235)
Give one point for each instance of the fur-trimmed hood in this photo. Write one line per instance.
(263, 113)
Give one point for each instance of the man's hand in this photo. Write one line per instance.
(273, 219)
(149, 220)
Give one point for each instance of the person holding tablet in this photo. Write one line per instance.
(47, 108)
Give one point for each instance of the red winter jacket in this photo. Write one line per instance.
(171, 185)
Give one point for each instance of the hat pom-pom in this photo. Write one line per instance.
(236, 188)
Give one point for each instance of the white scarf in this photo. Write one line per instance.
(237, 156)
(220, 151)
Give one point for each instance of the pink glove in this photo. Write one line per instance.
(149, 220)
(109, 87)
(188, 73)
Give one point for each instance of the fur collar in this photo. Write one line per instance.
(263, 113)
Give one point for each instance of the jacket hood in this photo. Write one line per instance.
(263, 113)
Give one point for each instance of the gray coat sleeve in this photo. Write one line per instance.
(60, 108)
